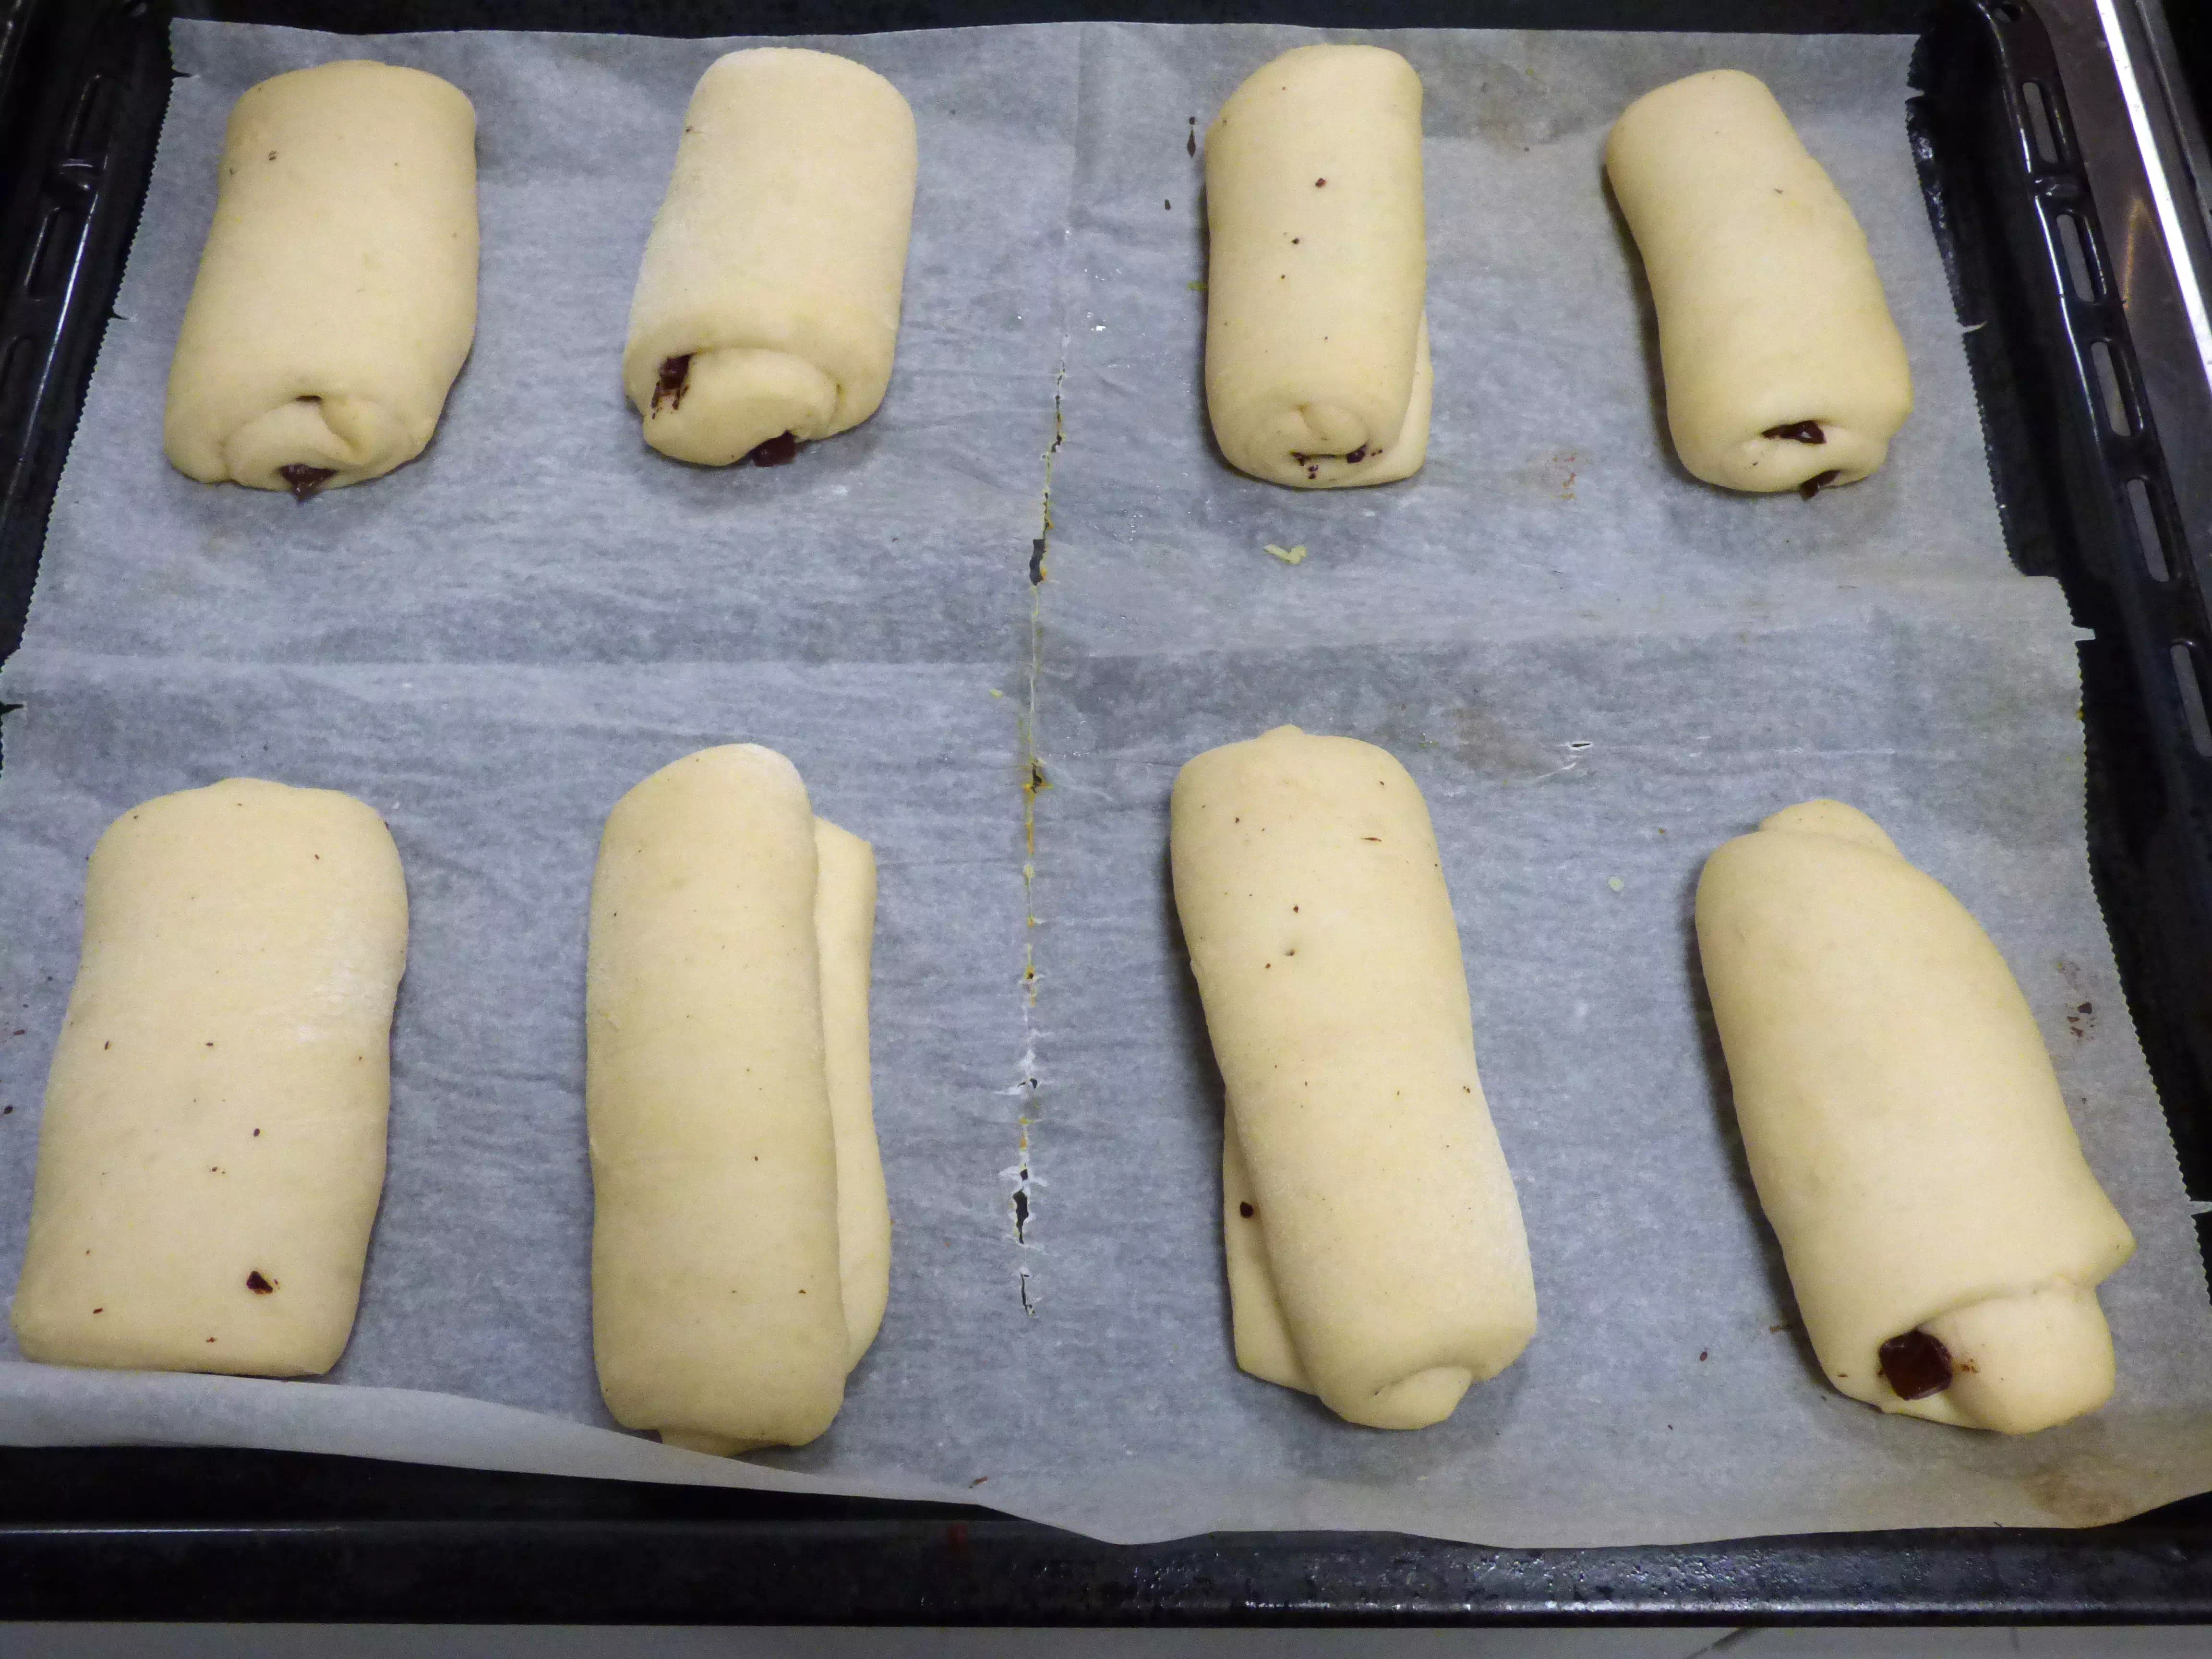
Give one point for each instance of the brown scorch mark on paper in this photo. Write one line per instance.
(303, 480)
(1813, 485)
(1803, 431)
(1916, 1365)
(675, 374)
(779, 451)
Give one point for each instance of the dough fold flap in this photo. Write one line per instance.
(336, 298)
(738, 1189)
(1317, 370)
(1782, 366)
(1907, 1133)
(1374, 1242)
(212, 1147)
(768, 301)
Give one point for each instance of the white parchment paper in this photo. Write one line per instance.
(1597, 668)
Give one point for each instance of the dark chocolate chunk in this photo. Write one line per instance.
(1357, 456)
(305, 481)
(1803, 431)
(1819, 481)
(675, 373)
(1245, 1210)
(257, 1284)
(1916, 1365)
(779, 451)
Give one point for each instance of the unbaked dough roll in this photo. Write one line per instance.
(845, 934)
(337, 294)
(212, 1149)
(726, 923)
(1783, 369)
(1374, 1247)
(1317, 368)
(1910, 1147)
(768, 305)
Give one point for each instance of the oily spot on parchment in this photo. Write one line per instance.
(2083, 1490)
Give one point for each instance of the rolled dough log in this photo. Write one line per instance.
(1317, 371)
(212, 1149)
(845, 934)
(1782, 368)
(337, 294)
(1383, 1266)
(768, 300)
(1905, 1128)
(720, 938)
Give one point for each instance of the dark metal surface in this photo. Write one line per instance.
(203, 1534)
(241, 1535)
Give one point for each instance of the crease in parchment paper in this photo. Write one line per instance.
(1031, 570)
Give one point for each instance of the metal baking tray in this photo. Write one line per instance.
(2062, 172)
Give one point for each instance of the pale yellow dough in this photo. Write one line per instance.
(1771, 314)
(212, 1148)
(734, 1159)
(1385, 1266)
(1904, 1125)
(1316, 335)
(337, 295)
(773, 275)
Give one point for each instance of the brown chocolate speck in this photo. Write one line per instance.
(1246, 1211)
(675, 373)
(257, 1284)
(99, 1310)
(1357, 456)
(257, 1134)
(1318, 182)
(1803, 431)
(1819, 481)
(979, 1480)
(779, 451)
(1702, 1354)
(1916, 1365)
(303, 480)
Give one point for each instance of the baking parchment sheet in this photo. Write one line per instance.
(1596, 668)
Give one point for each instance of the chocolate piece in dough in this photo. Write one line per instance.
(212, 1150)
(1905, 1130)
(1317, 372)
(337, 294)
(1771, 314)
(767, 301)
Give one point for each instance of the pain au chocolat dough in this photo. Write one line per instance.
(740, 1251)
(337, 294)
(1784, 370)
(766, 308)
(1912, 1150)
(1374, 1247)
(1316, 335)
(212, 1148)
